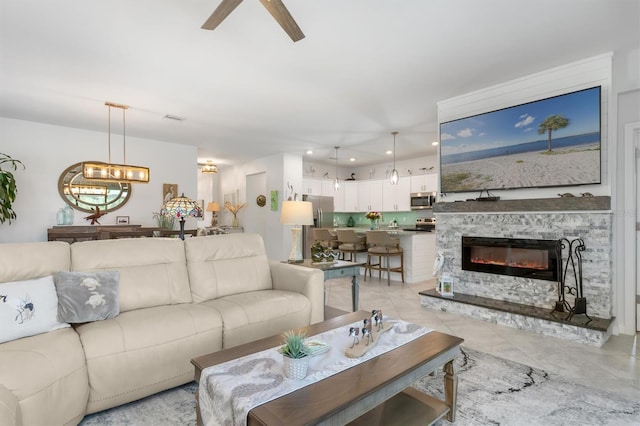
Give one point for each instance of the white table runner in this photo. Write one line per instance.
(228, 391)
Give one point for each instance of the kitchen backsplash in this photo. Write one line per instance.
(404, 219)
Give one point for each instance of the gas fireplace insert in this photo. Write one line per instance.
(528, 258)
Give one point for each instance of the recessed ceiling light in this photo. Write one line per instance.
(388, 152)
(309, 152)
(435, 143)
(352, 159)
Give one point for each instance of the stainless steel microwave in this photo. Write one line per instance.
(422, 200)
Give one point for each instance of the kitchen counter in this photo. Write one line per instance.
(419, 253)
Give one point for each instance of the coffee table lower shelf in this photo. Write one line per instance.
(408, 408)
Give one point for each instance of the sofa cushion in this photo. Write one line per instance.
(221, 265)
(258, 314)
(47, 373)
(153, 271)
(145, 351)
(87, 296)
(18, 260)
(28, 308)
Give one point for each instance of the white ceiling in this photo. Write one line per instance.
(245, 90)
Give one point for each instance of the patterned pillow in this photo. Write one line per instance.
(28, 308)
(87, 296)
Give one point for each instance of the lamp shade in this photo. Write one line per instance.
(296, 213)
(213, 207)
(181, 207)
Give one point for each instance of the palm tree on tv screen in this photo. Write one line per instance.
(551, 123)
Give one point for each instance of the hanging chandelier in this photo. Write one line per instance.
(336, 183)
(395, 176)
(96, 170)
(208, 168)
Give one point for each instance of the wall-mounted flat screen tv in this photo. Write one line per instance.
(550, 142)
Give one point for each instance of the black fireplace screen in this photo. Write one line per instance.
(509, 256)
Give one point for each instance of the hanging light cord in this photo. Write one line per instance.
(124, 141)
(109, 145)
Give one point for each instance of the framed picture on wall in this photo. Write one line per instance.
(169, 191)
(231, 197)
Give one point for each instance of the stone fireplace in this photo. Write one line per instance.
(527, 290)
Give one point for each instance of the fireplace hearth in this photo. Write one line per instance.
(527, 258)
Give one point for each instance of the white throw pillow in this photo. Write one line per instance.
(28, 308)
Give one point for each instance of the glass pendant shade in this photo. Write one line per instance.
(395, 176)
(336, 183)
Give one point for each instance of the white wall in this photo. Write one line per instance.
(48, 150)
(279, 170)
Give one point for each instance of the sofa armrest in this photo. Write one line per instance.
(306, 281)
(9, 407)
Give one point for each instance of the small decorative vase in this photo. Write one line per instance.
(316, 252)
(68, 215)
(295, 368)
(60, 217)
(329, 255)
(234, 222)
(373, 225)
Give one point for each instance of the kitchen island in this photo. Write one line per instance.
(419, 253)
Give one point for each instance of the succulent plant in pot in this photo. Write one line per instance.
(295, 354)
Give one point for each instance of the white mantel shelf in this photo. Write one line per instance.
(599, 203)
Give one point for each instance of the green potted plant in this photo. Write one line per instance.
(295, 355)
(8, 188)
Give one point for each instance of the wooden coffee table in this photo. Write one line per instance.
(373, 392)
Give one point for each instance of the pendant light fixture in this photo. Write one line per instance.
(95, 170)
(336, 183)
(394, 174)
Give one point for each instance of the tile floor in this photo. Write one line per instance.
(614, 366)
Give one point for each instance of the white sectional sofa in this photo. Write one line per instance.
(177, 300)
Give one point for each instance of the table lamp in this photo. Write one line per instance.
(296, 213)
(213, 207)
(181, 207)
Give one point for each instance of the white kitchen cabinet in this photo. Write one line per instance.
(396, 198)
(370, 195)
(350, 190)
(338, 199)
(312, 186)
(327, 187)
(424, 183)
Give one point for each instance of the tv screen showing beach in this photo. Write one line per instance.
(550, 142)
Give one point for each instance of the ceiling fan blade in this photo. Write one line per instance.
(279, 11)
(221, 12)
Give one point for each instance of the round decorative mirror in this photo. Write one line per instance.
(85, 194)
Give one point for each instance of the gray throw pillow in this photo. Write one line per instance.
(87, 296)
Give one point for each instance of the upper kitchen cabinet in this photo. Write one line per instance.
(424, 183)
(328, 188)
(396, 197)
(370, 195)
(350, 193)
(318, 187)
(312, 186)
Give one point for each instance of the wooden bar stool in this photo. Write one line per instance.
(382, 246)
(350, 242)
(326, 238)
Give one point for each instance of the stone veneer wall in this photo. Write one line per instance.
(595, 228)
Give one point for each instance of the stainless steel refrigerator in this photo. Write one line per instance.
(322, 218)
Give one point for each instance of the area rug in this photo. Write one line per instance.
(491, 391)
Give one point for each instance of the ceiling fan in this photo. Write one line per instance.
(276, 8)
